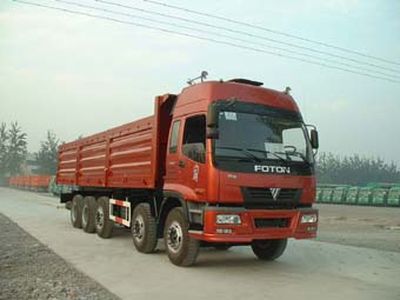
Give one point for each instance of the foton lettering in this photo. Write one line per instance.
(272, 169)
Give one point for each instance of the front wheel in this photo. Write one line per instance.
(144, 229)
(181, 248)
(268, 249)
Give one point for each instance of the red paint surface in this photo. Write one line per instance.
(34, 181)
(247, 231)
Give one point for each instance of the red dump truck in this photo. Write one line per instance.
(223, 163)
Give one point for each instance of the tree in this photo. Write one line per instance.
(47, 155)
(3, 150)
(355, 170)
(16, 149)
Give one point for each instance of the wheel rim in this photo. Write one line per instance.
(138, 228)
(85, 215)
(99, 218)
(174, 237)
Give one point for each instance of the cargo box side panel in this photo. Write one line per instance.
(66, 173)
(121, 157)
(130, 158)
(92, 164)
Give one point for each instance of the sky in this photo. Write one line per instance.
(77, 75)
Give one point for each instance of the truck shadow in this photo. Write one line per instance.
(120, 232)
(234, 258)
(209, 257)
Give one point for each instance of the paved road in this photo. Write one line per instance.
(308, 269)
(363, 226)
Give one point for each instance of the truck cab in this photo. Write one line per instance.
(241, 158)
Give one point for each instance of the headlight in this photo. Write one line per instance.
(228, 219)
(309, 218)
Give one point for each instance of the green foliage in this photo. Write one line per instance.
(355, 170)
(15, 149)
(3, 150)
(46, 158)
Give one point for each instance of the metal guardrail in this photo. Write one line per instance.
(370, 195)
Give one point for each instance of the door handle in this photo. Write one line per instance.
(181, 164)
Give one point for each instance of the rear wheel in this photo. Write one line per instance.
(269, 249)
(88, 214)
(144, 229)
(76, 211)
(181, 248)
(104, 226)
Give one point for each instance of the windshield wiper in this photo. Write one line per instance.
(296, 154)
(265, 152)
(287, 154)
(244, 151)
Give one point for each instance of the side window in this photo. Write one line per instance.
(173, 142)
(194, 138)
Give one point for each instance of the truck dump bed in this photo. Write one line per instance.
(127, 156)
(120, 157)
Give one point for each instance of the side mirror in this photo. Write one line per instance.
(212, 116)
(212, 121)
(212, 133)
(314, 139)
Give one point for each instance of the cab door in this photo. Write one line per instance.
(192, 157)
(173, 168)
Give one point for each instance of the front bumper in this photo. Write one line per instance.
(248, 231)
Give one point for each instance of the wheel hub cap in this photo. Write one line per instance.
(99, 218)
(138, 228)
(174, 237)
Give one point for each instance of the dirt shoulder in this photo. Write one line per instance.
(370, 227)
(30, 270)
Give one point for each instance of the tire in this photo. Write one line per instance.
(144, 229)
(181, 248)
(76, 211)
(104, 226)
(268, 249)
(88, 214)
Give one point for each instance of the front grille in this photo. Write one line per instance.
(270, 197)
(272, 223)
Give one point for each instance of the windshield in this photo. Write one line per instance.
(259, 137)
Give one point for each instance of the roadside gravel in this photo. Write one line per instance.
(30, 270)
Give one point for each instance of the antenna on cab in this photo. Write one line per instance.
(202, 77)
